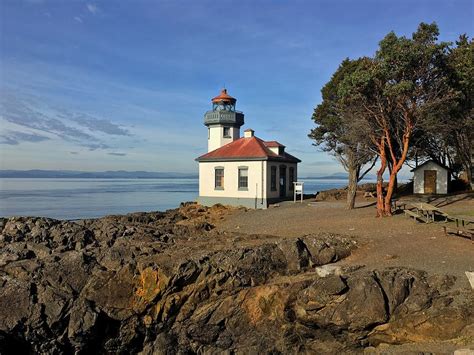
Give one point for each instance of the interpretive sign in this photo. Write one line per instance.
(298, 190)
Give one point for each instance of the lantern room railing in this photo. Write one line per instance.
(229, 117)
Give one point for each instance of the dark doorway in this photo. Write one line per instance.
(430, 181)
(282, 180)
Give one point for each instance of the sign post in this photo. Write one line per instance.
(298, 189)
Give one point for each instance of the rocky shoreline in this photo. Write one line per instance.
(169, 282)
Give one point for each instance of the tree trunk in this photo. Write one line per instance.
(380, 205)
(383, 166)
(464, 150)
(396, 166)
(352, 187)
(468, 169)
(390, 190)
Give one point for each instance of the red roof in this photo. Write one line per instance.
(224, 96)
(246, 148)
(273, 144)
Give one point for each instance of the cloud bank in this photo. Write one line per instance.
(78, 128)
(15, 138)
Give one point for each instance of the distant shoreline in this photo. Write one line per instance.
(122, 174)
(100, 177)
(74, 174)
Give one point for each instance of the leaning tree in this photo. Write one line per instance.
(340, 132)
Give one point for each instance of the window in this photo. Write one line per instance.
(226, 132)
(208, 133)
(291, 172)
(243, 178)
(273, 178)
(219, 179)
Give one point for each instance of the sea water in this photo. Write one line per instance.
(89, 198)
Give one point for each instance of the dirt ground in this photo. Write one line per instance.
(383, 242)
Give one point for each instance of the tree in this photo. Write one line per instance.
(461, 70)
(446, 133)
(393, 92)
(339, 131)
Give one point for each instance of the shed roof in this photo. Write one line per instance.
(431, 161)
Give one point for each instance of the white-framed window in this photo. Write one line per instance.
(243, 178)
(219, 178)
(227, 132)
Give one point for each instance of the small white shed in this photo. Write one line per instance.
(430, 178)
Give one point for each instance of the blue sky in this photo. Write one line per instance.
(123, 85)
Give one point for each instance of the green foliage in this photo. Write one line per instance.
(405, 79)
(338, 130)
(447, 131)
(413, 98)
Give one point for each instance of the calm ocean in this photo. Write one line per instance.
(88, 198)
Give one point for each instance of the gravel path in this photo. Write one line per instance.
(383, 242)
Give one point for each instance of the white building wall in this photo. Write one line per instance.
(441, 179)
(276, 194)
(216, 137)
(256, 180)
(275, 150)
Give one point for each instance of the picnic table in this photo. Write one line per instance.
(426, 212)
(461, 231)
(462, 220)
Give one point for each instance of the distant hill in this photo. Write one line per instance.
(338, 176)
(72, 174)
(335, 176)
(345, 176)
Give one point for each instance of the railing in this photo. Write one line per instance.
(224, 117)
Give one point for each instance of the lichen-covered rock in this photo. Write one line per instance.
(166, 283)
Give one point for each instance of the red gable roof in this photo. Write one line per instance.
(273, 144)
(251, 148)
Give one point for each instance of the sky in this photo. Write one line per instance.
(123, 85)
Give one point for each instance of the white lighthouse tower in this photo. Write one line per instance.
(223, 121)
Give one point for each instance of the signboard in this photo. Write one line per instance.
(298, 190)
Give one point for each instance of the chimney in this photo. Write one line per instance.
(248, 133)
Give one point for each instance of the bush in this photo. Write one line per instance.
(459, 185)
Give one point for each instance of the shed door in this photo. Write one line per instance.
(430, 181)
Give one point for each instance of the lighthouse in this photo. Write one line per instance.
(223, 121)
(241, 171)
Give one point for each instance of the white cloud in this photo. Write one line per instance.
(93, 9)
(78, 19)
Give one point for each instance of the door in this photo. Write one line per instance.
(282, 180)
(430, 181)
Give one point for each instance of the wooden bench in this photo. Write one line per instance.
(460, 231)
(415, 216)
(398, 205)
(463, 221)
(430, 212)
